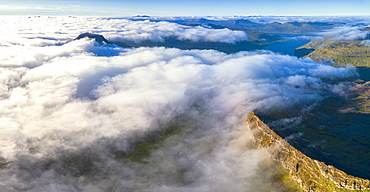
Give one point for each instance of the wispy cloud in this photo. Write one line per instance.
(6, 9)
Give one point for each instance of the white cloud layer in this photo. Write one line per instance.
(345, 33)
(365, 43)
(69, 113)
(157, 31)
(43, 31)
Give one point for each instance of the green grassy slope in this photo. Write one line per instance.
(340, 53)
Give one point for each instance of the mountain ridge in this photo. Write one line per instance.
(310, 174)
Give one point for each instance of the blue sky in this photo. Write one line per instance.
(184, 8)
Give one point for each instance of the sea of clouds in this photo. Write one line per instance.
(70, 112)
(45, 31)
(346, 32)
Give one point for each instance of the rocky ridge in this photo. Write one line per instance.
(312, 175)
(98, 38)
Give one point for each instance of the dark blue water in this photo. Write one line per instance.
(330, 133)
(288, 47)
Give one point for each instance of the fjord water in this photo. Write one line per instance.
(287, 47)
(330, 133)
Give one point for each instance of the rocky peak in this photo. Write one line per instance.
(96, 37)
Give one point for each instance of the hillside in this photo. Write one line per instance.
(360, 102)
(339, 53)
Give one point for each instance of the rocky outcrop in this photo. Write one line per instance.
(312, 175)
(102, 40)
(96, 37)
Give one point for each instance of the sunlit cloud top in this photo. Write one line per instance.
(21, 30)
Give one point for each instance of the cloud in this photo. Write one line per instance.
(6, 8)
(157, 31)
(72, 115)
(365, 43)
(345, 33)
(22, 31)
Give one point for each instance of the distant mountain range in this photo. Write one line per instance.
(299, 28)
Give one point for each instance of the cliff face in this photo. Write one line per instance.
(312, 175)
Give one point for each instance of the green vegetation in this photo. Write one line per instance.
(280, 178)
(340, 53)
(360, 98)
(143, 148)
